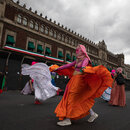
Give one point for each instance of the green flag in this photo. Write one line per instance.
(3, 83)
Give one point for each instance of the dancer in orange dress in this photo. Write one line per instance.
(118, 97)
(86, 83)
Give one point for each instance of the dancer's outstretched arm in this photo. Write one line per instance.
(66, 66)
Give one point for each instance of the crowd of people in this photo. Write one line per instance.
(85, 85)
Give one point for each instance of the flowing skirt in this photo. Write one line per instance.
(106, 94)
(44, 90)
(118, 97)
(39, 72)
(27, 89)
(81, 91)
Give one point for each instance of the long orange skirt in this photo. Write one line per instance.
(118, 96)
(81, 91)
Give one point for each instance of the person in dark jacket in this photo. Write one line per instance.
(118, 96)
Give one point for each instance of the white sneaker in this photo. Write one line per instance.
(93, 117)
(65, 122)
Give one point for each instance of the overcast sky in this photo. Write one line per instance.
(97, 20)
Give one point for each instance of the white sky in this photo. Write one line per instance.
(96, 20)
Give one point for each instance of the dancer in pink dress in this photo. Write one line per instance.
(118, 96)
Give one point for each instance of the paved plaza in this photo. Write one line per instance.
(18, 112)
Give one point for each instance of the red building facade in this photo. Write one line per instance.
(28, 36)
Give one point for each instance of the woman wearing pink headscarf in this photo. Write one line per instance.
(86, 83)
(118, 97)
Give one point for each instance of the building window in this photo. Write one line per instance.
(51, 33)
(42, 28)
(59, 36)
(94, 52)
(60, 55)
(25, 21)
(55, 34)
(48, 51)
(36, 26)
(39, 48)
(10, 40)
(19, 19)
(63, 38)
(76, 43)
(31, 46)
(46, 30)
(66, 39)
(86, 48)
(68, 57)
(31, 24)
(90, 50)
(70, 40)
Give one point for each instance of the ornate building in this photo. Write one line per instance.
(26, 36)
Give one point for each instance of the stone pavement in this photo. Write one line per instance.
(18, 112)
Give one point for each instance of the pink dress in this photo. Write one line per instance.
(118, 97)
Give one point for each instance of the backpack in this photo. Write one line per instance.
(120, 79)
